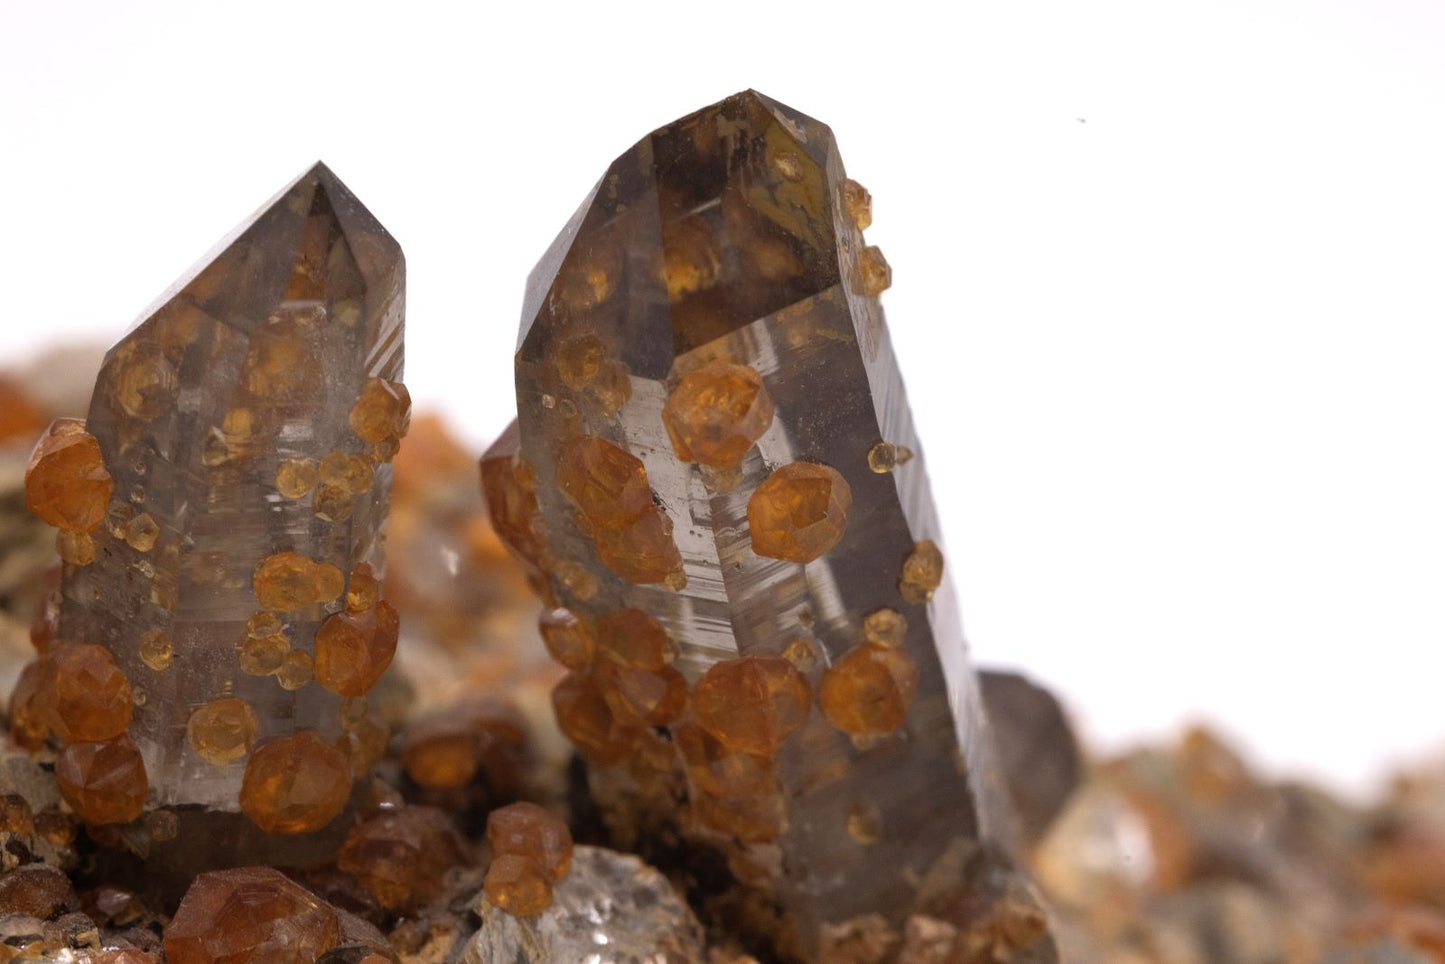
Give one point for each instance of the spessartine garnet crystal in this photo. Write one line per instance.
(220, 513)
(716, 485)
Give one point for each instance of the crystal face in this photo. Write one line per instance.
(737, 494)
(246, 426)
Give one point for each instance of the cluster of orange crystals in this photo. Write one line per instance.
(729, 727)
(74, 690)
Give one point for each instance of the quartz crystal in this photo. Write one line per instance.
(610, 907)
(233, 478)
(715, 474)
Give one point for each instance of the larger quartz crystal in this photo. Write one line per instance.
(717, 483)
(247, 423)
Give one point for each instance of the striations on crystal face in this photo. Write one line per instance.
(221, 511)
(739, 496)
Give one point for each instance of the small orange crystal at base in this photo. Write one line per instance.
(518, 886)
(530, 831)
(103, 783)
(295, 784)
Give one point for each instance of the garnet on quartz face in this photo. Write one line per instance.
(247, 424)
(713, 434)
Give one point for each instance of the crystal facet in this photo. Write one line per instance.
(735, 496)
(243, 415)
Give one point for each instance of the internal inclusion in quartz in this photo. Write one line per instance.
(714, 446)
(220, 512)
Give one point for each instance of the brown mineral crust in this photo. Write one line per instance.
(15, 815)
(37, 890)
(85, 697)
(295, 784)
(67, 484)
(104, 783)
(534, 832)
(250, 914)
(401, 856)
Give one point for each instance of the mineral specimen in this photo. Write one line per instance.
(258, 914)
(611, 907)
(220, 513)
(714, 475)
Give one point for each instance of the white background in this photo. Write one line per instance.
(1169, 282)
